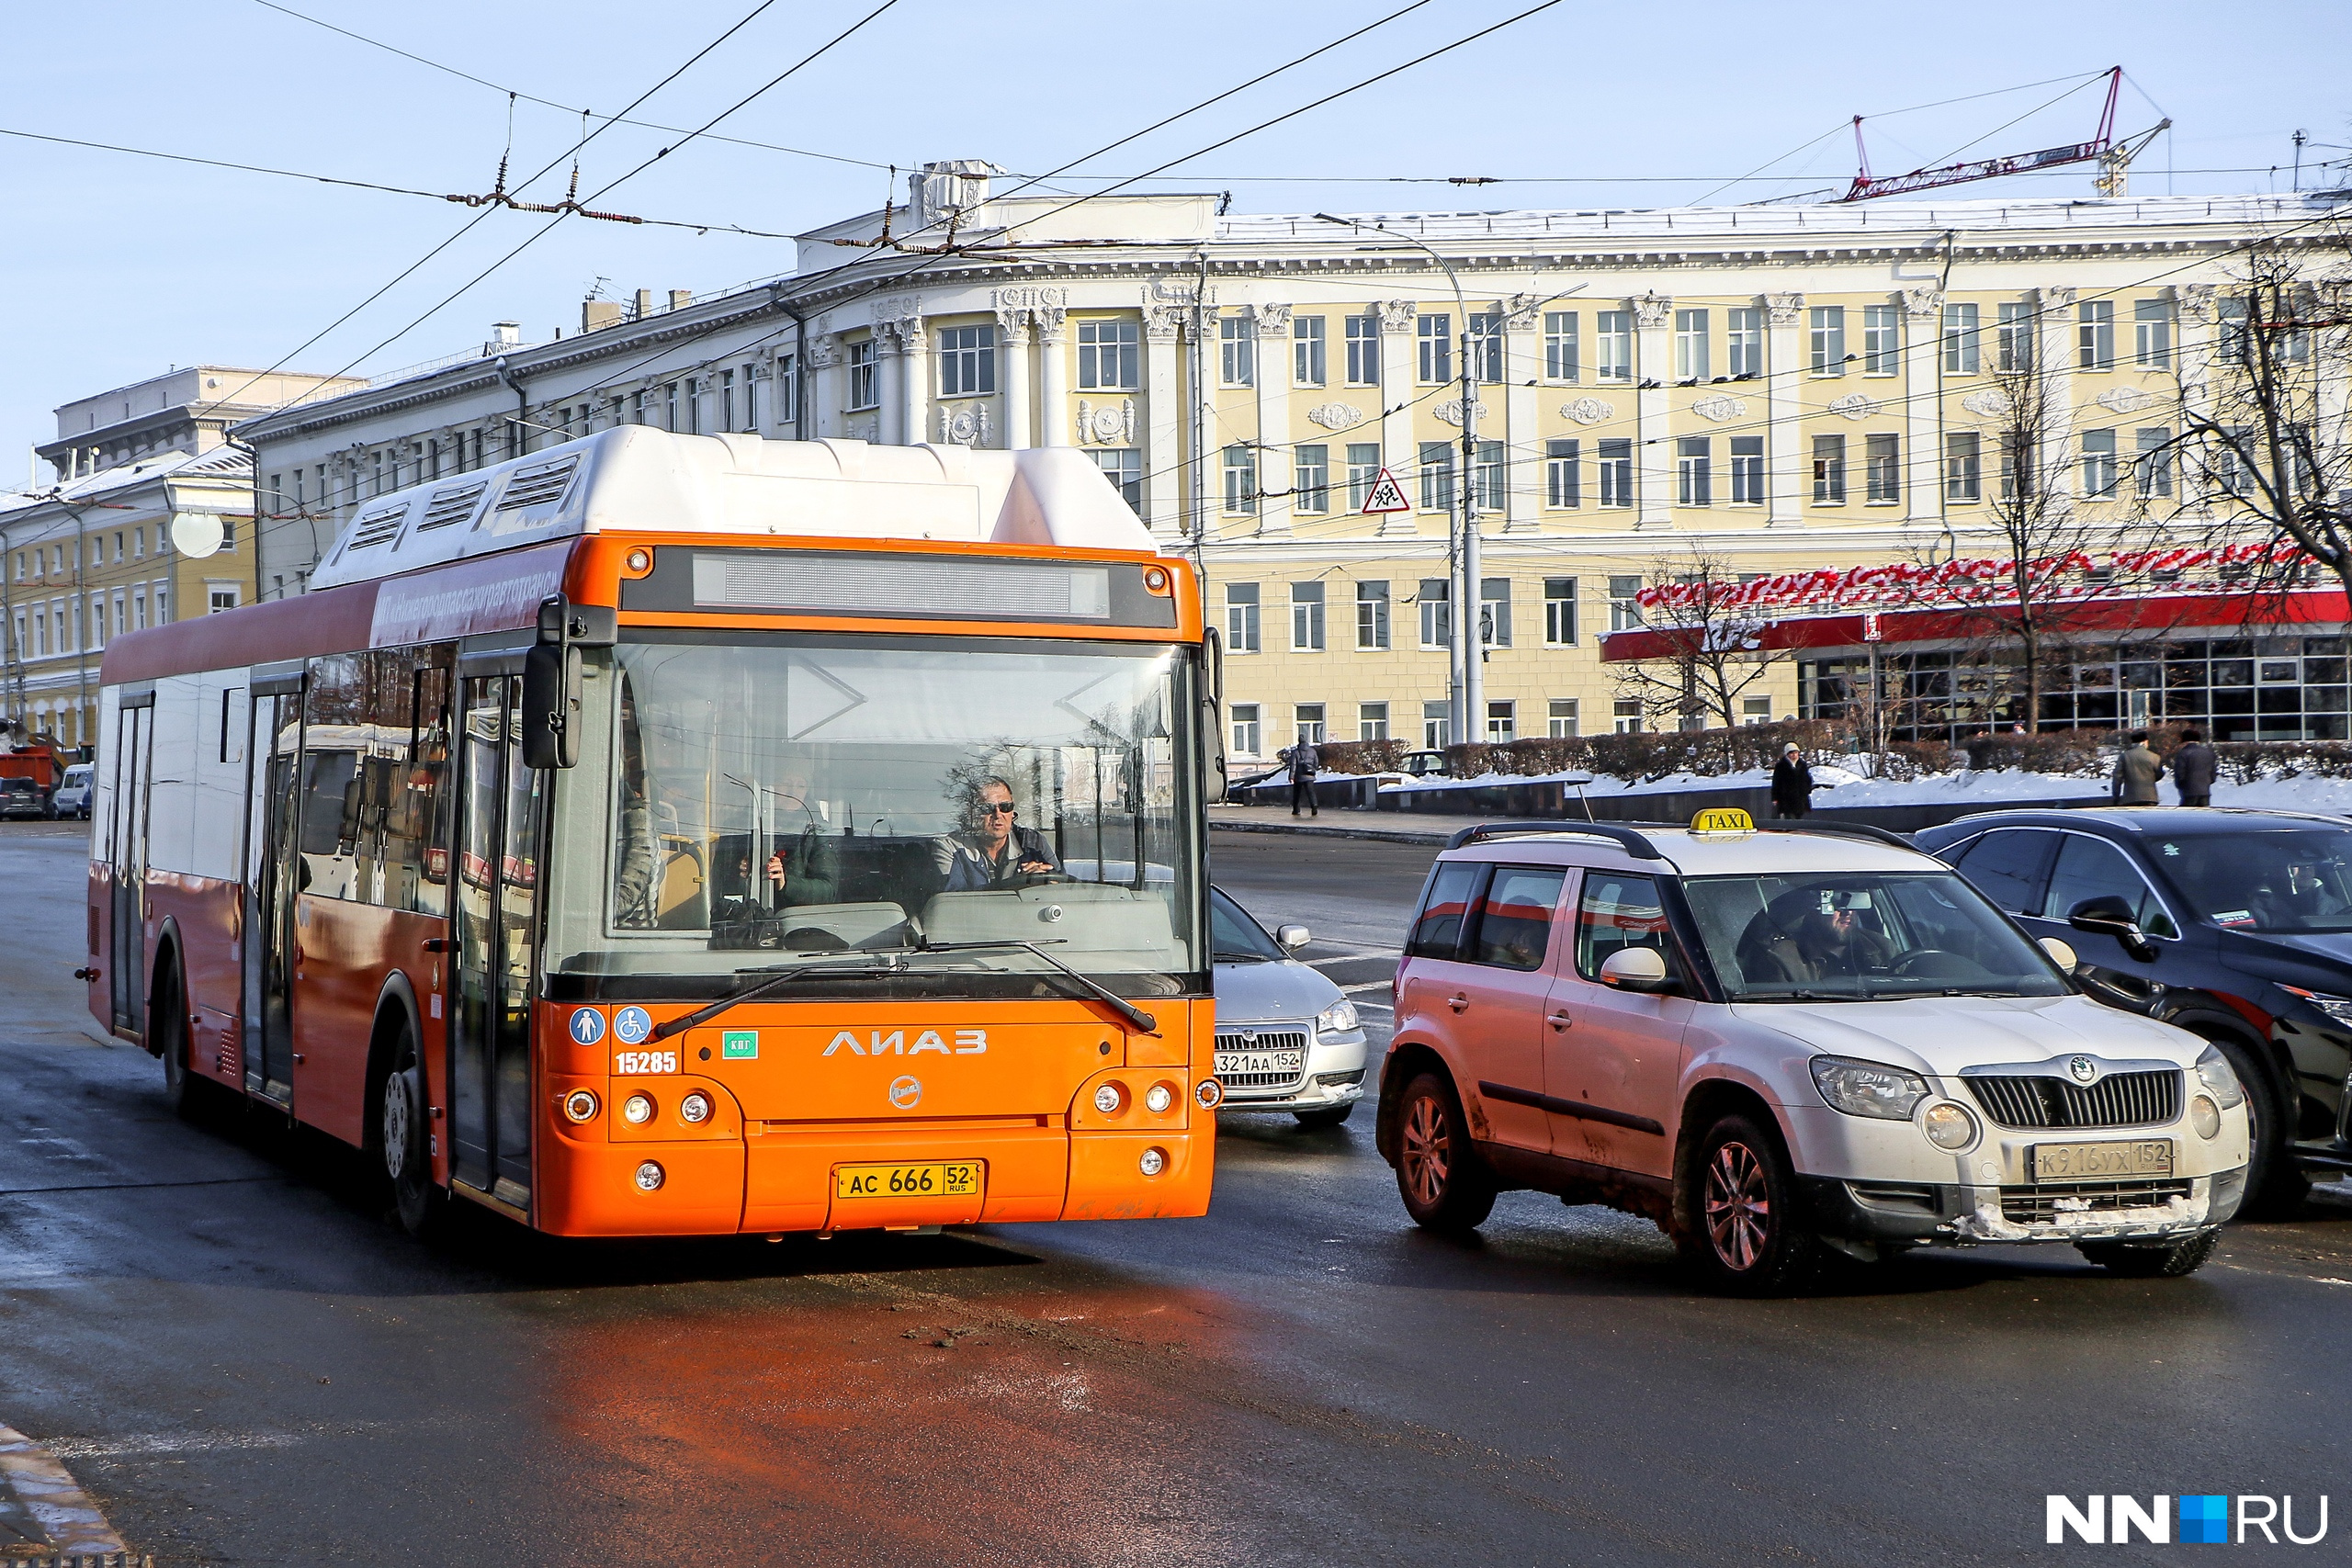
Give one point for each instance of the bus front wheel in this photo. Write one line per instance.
(408, 1159)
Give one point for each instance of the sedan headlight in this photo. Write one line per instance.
(1949, 1126)
(1337, 1019)
(1868, 1089)
(2337, 1009)
(2221, 1080)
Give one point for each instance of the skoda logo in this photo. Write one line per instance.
(2082, 1067)
(906, 1093)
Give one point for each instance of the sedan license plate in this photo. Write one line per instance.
(1231, 1063)
(2098, 1162)
(937, 1179)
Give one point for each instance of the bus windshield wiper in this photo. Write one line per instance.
(773, 980)
(1135, 1015)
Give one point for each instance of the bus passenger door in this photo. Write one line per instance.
(127, 865)
(272, 858)
(494, 910)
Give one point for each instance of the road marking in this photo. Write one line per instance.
(1367, 986)
(65, 1513)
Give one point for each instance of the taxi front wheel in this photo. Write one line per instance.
(2162, 1262)
(1743, 1231)
(1445, 1186)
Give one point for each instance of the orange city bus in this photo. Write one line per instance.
(615, 836)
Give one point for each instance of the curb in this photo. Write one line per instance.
(1378, 835)
(78, 1533)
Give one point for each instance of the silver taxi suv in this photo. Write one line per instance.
(1773, 1042)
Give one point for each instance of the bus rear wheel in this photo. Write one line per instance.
(192, 1097)
(408, 1158)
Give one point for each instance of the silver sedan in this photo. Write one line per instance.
(1286, 1038)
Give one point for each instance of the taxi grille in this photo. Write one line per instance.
(2041, 1205)
(1265, 1039)
(2120, 1099)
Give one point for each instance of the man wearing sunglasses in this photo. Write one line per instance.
(991, 847)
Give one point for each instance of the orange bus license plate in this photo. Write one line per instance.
(948, 1178)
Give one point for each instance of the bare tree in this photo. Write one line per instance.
(1712, 647)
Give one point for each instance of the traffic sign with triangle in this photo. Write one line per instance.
(1387, 495)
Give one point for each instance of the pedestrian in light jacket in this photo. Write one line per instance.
(1793, 784)
(2193, 767)
(2136, 772)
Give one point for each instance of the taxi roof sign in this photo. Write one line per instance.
(1724, 819)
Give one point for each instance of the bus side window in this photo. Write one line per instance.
(419, 811)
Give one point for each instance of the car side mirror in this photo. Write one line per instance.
(2107, 915)
(1635, 969)
(1290, 939)
(2060, 954)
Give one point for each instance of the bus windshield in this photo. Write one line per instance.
(774, 800)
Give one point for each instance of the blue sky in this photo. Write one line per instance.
(121, 267)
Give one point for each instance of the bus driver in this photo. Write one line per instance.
(990, 848)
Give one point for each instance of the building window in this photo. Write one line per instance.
(862, 384)
(1560, 359)
(1372, 721)
(1563, 475)
(726, 407)
(1963, 471)
(1882, 340)
(163, 603)
(2099, 462)
(1625, 603)
(1313, 484)
(1437, 476)
(1691, 346)
(1882, 469)
(751, 401)
(1629, 716)
(1123, 465)
(1502, 723)
(1242, 617)
(1364, 472)
(1755, 710)
(1560, 717)
(1437, 620)
(1436, 349)
(1240, 480)
(1694, 470)
(1959, 340)
(1613, 345)
(2017, 468)
(1488, 476)
(1828, 470)
(1306, 618)
(2094, 334)
(2151, 469)
(219, 598)
(1559, 612)
(1617, 473)
(1245, 729)
(1364, 351)
(1744, 342)
(2152, 334)
(1829, 340)
(1494, 611)
(2013, 338)
(2230, 337)
(1437, 726)
(1307, 723)
(1486, 347)
(1372, 615)
(1237, 351)
(1307, 351)
(1106, 356)
(1748, 485)
(967, 361)
(787, 390)
(98, 621)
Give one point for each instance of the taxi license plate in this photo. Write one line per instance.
(937, 1179)
(2094, 1162)
(1230, 1062)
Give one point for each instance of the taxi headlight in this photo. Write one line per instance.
(1868, 1089)
(1949, 1126)
(2205, 1116)
(1108, 1100)
(1337, 1019)
(2219, 1079)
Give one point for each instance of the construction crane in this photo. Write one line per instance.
(2113, 157)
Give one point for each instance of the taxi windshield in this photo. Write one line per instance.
(2299, 880)
(1862, 936)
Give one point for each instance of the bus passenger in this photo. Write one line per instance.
(990, 849)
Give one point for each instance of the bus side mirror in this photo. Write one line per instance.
(550, 706)
(1213, 770)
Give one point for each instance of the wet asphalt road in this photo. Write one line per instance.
(244, 1363)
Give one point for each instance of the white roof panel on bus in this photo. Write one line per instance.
(636, 478)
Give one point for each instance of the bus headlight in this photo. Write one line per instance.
(1209, 1093)
(649, 1177)
(637, 1110)
(1154, 1161)
(1110, 1100)
(581, 1105)
(1158, 1098)
(695, 1107)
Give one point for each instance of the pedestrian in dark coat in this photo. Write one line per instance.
(2193, 767)
(1793, 784)
(1305, 763)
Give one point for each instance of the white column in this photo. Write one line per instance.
(1396, 399)
(1163, 453)
(824, 371)
(914, 382)
(889, 419)
(2054, 366)
(1012, 354)
(1784, 437)
(1522, 445)
(1652, 441)
(1276, 468)
(1053, 377)
(1923, 489)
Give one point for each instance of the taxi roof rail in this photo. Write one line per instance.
(1846, 829)
(1632, 839)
